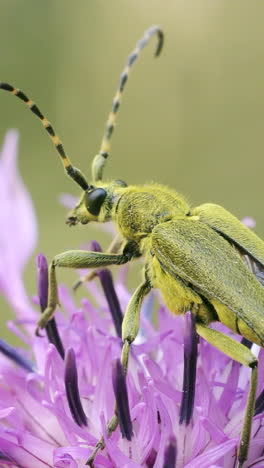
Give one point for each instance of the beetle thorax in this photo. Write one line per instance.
(141, 208)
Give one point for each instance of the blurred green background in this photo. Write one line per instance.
(192, 119)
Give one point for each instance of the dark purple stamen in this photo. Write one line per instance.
(150, 461)
(72, 389)
(54, 337)
(259, 404)
(5, 458)
(106, 279)
(246, 342)
(95, 246)
(51, 328)
(120, 391)
(189, 374)
(15, 356)
(43, 281)
(170, 454)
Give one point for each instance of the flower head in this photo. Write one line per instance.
(58, 392)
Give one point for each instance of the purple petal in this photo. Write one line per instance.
(249, 222)
(118, 457)
(165, 431)
(18, 238)
(209, 457)
(36, 455)
(147, 417)
(65, 461)
(67, 200)
(15, 197)
(229, 391)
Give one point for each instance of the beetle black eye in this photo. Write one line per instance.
(94, 200)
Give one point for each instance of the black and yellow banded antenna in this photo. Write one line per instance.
(100, 159)
(72, 171)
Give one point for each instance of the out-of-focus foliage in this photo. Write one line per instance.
(192, 119)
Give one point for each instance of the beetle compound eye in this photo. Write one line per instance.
(94, 200)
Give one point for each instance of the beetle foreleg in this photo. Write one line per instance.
(114, 247)
(76, 259)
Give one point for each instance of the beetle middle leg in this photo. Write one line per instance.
(130, 328)
(244, 356)
(77, 259)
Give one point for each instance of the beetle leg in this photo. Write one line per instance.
(77, 259)
(130, 328)
(114, 247)
(244, 356)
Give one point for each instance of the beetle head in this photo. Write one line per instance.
(96, 203)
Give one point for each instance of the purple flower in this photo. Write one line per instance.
(55, 405)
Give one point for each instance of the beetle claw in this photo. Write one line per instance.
(83, 279)
(77, 284)
(37, 332)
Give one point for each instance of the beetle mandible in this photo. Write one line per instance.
(202, 259)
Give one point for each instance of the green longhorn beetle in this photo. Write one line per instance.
(201, 259)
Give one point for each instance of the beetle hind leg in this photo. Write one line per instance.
(244, 356)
